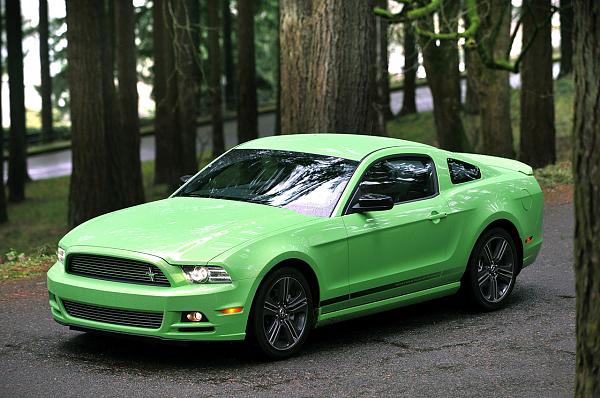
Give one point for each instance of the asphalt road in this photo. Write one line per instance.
(58, 164)
(439, 348)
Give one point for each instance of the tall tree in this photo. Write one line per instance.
(46, 81)
(164, 104)
(538, 135)
(214, 58)
(336, 98)
(586, 157)
(566, 37)
(129, 123)
(17, 162)
(3, 212)
(97, 182)
(382, 81)
(493, 87)
(186, 70)
(278, 74)
(471, 105)
(409, 70)
(440, 59)
(247, 106)
(229, 59)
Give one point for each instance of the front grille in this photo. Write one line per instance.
(148, 320)
(116, 269)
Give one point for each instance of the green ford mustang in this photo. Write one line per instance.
(286, 233)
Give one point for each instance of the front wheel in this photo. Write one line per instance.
(282, 313)
(492, 269)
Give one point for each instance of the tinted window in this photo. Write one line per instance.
(462, 171)
(404, 179)
(306, 183)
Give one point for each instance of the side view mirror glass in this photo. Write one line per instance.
(373, 202)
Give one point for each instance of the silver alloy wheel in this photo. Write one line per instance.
(285, 312)
(495, 269)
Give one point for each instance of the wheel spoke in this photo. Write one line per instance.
(505, 273)
(484, 278)
(271, 307)
(500, 250)
(285, 290)
(488, 253)
(273, 332)
(297, 304)
(291, 329)
(493, 289)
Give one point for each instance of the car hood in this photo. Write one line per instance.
(183, 230)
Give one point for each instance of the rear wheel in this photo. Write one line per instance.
(282, 313)
(492, 269)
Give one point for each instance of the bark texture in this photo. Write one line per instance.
(3, 212)
(383, 113)
(17, 160)
(247, 105)
(409, 70)
(586, 158)
(471, 105)
(327, 79)
(229, 59)
(163, 73)
(493, 86)
(46, 81)
(186, 67)
(97, 182)
(538, 135)
(214, 57)
(129, 123)
(441, 65)
(566, 37)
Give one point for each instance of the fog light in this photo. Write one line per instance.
(194, 316)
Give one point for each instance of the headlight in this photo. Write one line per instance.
(212, 274)
(60, 253)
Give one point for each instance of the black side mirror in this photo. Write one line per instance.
(373, 202)
(185, 178)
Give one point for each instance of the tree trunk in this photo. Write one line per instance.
(493, 86)
(566, 37)
(278, 74)
(230, 83)
(247, 115)
(163, 68)
(186, 68)
(97, 186)
(46, 81)
(538, 136)
(441, 65)
(327, 78)
(586, 157)
(381, 105)
(3, 212)
(471, 105)
(214, 57)
(129, 139)
(409, 70)
(17, 162)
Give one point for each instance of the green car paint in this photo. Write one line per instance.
(359, 262)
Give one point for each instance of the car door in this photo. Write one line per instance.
(401, 250)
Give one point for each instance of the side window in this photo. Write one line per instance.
(462, 171)
(404, 179)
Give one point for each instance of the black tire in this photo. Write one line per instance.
(492, 270)
(279, 327)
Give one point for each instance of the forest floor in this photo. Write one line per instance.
(28, 241)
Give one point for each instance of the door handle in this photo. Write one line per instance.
(435, 216)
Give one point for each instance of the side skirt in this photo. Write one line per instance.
(387, 304)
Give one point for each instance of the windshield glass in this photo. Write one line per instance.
(306, 183)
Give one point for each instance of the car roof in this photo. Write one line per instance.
(348, 146)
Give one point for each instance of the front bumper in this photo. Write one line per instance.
(171, 301)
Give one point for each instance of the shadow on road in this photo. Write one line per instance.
(147, 355)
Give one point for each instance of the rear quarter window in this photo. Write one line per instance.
(461, 172)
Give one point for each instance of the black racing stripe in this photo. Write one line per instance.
(381, 288)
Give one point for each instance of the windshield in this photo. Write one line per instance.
(306, 183)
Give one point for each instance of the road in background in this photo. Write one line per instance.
(58, 164)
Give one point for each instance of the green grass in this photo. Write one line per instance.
(421, 127)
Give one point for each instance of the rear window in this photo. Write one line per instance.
(462, 171)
